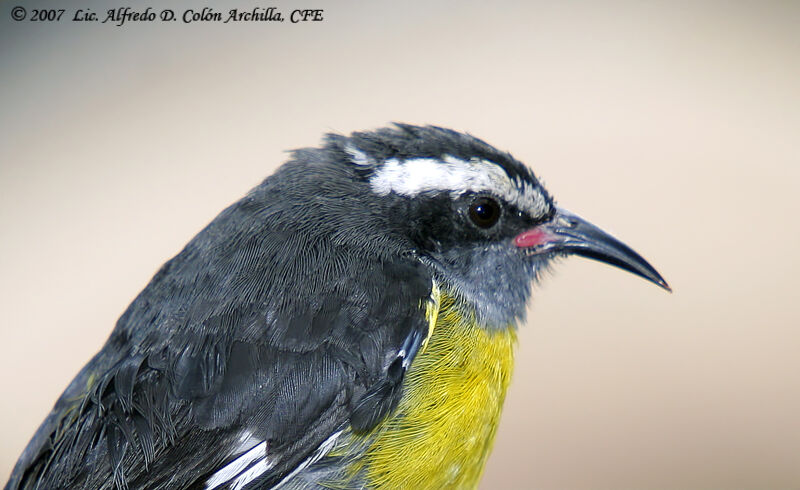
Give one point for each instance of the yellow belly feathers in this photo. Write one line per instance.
(444, 427)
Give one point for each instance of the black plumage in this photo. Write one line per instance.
(272, 321)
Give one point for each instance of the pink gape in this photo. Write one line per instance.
(532, 238)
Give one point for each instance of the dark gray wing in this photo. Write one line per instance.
(270, 330)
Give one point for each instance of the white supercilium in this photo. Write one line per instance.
(419, 175)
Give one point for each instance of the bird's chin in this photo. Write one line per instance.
(493, 284)
(540, 263)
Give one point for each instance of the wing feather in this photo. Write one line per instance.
(258, 327)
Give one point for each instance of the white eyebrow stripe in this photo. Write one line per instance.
(418, 175)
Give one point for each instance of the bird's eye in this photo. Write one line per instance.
(484, 212)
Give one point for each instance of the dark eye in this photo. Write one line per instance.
(484, 212)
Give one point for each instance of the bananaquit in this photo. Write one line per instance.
(349, 323)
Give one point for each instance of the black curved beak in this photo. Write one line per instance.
(570, 234)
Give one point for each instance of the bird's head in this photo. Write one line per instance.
(479, 219)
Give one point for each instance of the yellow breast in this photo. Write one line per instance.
(445, 424)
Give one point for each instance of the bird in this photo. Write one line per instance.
(349, 323)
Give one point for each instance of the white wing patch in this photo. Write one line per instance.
(254, 462)
(418, 175)
(236, 468)
(321, 451)
(257, 469)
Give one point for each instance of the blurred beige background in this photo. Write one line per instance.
(673, 124)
